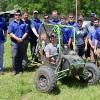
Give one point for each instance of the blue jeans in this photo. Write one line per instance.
(18, 52)
(33, 47)
(80, 50)
(1, 56)
(25, 58)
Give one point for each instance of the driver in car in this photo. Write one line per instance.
(51, 49)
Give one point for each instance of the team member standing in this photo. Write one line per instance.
(30, 37)
(97, 40)
(55, 18)
(35, 26)
(89, 27)
(81, 35)
(67, 34)
(91, 35)
(3, 32)
(47, 19)
(71, 21)
(18, 32)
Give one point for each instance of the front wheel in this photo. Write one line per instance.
(45, 79)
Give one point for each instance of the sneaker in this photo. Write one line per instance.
(1, 73)
(14, 73)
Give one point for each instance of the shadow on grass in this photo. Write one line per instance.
(31, 68)
(8, 69)
(73, 82)
(26, 69)
(55, 91)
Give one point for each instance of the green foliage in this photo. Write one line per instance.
(46, 6)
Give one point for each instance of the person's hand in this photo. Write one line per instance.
(20, 40)
(85, 48)
(68, 45)
(95, 52)
(92, 46)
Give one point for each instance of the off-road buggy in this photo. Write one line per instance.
(68, 63)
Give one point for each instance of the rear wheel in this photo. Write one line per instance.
(91, 73)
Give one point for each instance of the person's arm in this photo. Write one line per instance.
(12, 35)
(70, 38)
(69, 42)
(85, 38)
(47, 50)
(19, 40)
(47, 54)
(5, 35)
(95, 46)
(24, 36)
(34, 29)
(5, 30)
(90, 41)
(86, 42)
(96, 42)
(26, 33)
(35, 32)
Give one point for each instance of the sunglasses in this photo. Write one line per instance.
(17, 14)
(96, 22)
(46, 18)
(71, 17)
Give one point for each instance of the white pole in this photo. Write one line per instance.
(76, 10)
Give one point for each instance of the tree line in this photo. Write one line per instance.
(46, 6)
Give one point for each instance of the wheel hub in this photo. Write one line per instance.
(43, 81)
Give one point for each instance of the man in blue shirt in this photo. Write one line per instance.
(18, 32)
(97, 40)
(30, 37)
(89, 27)
(63, 20)
(67, 34)
(35, 26)
(47, 19)
(55, 18)
(3, 32)
(71, 21)
(91, 36)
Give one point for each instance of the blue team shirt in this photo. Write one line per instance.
(91, 35)
(18, 29)
(66, 34)
(31, 35)
(55, 21)
(2, 27)
(36, 23)
(74, 24)
(97, 36)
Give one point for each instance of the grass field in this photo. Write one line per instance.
(21, 86)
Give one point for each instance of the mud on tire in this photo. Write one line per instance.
(94, 74)
(45, 79)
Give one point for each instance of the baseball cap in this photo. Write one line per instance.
(93, 15)
(46, 16)
(35, 12)
(52, 35)
(80, 19)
